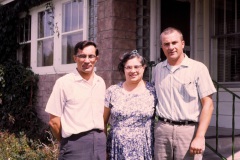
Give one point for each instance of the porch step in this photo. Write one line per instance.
(224, 144)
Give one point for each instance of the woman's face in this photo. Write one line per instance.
(134, 70)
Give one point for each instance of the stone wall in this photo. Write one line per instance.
(116, 34)
(45, 86)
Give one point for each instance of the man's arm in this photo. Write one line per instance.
(55, 125)
(198, 142)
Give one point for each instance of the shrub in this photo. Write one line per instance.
(23, 134)
(16, 148)
(17, 90)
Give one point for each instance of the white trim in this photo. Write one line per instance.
(206, 32)
(155, 30)
(4, 2)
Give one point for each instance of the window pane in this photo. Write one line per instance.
(235, 64)
(238, 16)
(230, 16)
(24, 55)
(24, 29)
(45, 52)
(72, 16)
(67, 17)
(219, 17)
(229, 59)
(69, 41)
(45, 24)
(221, 62)
(24, 38)
(80, 13)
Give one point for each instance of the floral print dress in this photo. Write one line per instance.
(132, 121)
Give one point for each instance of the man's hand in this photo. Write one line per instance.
(197, 145)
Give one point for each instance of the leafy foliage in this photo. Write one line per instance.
(18, 117)
(9, 20)
(16, 147)
(18, 85)
(22, 133)
(18, 91)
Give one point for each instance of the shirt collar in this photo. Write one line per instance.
(184, 63)
(78, 77)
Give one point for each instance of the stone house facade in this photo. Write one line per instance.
(210, 27)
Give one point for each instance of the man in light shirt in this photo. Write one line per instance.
(76, 108)
(184, 89)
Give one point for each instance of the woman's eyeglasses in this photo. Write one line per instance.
(136, 67)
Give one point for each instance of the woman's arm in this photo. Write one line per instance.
(106, 115)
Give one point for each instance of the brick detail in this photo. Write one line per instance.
(45, 84)
(116, 35)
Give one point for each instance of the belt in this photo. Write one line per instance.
(81, 134)
(176, 122)
(86, 132)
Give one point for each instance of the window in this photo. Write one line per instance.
(56, 27)
(45, 39)
(226, 40)
(72, 28)
(24, 40)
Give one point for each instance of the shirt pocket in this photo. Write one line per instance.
(189, 90)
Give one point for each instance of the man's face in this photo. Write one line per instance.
(86, 60)
(172, 46)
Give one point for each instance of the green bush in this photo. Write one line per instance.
(14, 147)
(18, 89)
(22, 133)
(20, 128)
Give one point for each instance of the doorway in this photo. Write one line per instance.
(176, 13)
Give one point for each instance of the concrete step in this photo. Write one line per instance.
(224, 144)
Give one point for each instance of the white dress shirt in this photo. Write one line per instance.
(79, 104)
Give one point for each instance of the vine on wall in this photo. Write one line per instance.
(50, 10)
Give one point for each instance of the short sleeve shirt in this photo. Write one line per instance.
(79, 104)
(180, 90)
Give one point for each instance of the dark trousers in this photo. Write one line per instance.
(90, 145)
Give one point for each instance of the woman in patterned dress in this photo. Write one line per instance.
(130, 110)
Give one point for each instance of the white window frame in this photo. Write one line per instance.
(57, 67)
(19, 51)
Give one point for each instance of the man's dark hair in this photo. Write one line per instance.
(81, 45)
